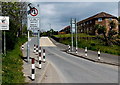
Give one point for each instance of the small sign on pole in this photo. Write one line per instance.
(4, 23)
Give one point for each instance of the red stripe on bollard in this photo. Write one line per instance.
(33, 60)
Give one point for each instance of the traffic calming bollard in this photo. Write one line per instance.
(68, 48)
(37, 50)
(43, 55)
(39, 61)
(76, 51)
(34, 48)
(33, 69)
(99, 55)
(22, 47)
(85, 51)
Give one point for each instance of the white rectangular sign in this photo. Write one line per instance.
(73, 25)
(33, 23)
(4, 23)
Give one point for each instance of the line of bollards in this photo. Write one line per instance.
(38, 52)
(86, 52)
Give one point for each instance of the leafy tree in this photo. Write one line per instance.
(108, 37)
(14, 11)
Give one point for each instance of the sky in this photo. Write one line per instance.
(57, 15)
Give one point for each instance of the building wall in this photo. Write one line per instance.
(106, 22)
(87, 25)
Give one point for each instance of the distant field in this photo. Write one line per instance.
(92, 43)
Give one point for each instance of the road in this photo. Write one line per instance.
(72, 69)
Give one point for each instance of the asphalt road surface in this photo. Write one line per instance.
(72, 69)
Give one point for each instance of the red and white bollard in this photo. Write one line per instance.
(85, 51)
(39, 60)
(33, 69)
(34, 49)
(99, 55)
(43, 55)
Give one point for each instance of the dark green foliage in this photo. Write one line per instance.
(13, 10)
(108, 37)
(12, 64)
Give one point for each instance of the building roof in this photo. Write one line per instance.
(99, 15)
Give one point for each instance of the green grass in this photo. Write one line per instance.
(12, 64)
(69, 35)
(91, 44)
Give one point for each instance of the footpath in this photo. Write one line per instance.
(91, 55)
(43, 75)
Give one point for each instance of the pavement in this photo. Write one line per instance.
(67, 68)
(92, 55)
(41, 75)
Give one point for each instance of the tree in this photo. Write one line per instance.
(101, 30)
(13, 10)
(108, 37)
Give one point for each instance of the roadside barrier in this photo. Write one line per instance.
(34, 48)
(33, 69)
(39, 60)
(37, 50)
(43, 55)
(99, 55)
(85, 51)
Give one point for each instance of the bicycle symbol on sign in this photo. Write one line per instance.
(33, 11)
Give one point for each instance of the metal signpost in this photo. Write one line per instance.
(76, 35)
(73, 31)
(4, 25)
(33, 19)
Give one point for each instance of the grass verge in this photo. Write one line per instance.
(12, 64)
(91, 44)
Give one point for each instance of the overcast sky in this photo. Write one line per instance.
(58, 14)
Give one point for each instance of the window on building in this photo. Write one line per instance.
(99, 19)
(90, 21)
(84, 23)
(81, 30)
(110, 19)
(87, 22)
